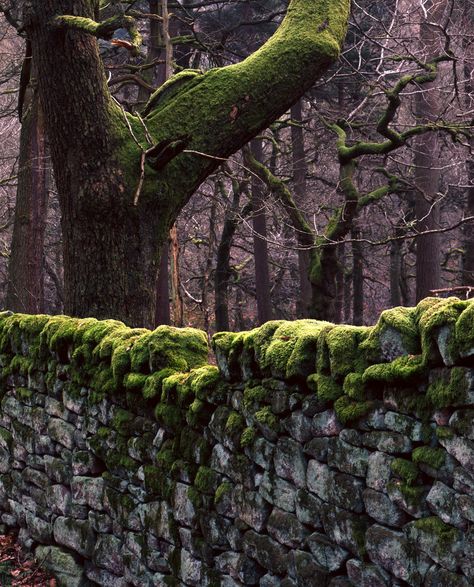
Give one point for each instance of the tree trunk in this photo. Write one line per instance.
(300, 170)
(395, 273)
(260, 247)
(357, 279)
(162, 308)
(25, 292)
(118, 199)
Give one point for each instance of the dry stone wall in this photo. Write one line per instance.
(313, 454)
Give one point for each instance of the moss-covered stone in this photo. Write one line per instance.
(406, 470)
(348, 410)
(433, 457)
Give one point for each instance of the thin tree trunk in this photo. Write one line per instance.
(300, 170)
(25, 292)
(162, 308)
(340, 282)
(176, 297)
(357, 279)
(260, 247)
(395, 273)
(208, 267)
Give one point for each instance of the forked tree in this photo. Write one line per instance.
(123, 179)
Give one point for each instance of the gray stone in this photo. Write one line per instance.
(444, 548)
(267, 552)
(336, 488)
(318, 448)
(58, 498)
(251, 508)
(61, 432)
(57, 470)
(239, 567)
(326, 424)
(39, 529)
(463, 481)
(379, 507)
(404, 425)
(107, 554)
(442, 501)
(347, 458)
(462, 421)
(461, 449)
(88, 491)
(413, 503)
(308, 508)
(85, 463)
(392, 551)
(299, 426)
(278, 492)
(466, 507)
(214, 529)
(237, 467)
(327, 555)
(75, 534)
(63, 565)
(100, 522)
(286, 528)
(261, 453)
(366, 575)
(438, 577)
(183, 506)
(345, 528)
(305, 571)
(190, 570)
(389, 442)
(290, 462)
(379, 471)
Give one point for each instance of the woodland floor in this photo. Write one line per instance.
(18, 568)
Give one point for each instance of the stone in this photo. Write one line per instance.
(305, 571)
(61, 432)
(389, 442)
(379, 507)
(462, 449)
(405, 425)
(57, 470)
(278, 492)
(39, 529)
(184, 508)
(347, 458)
(75, 534)
(239, 567)
(237, 467)
(410, 499)
(308, 508)
(261, 453)
(318, 448)
(463, 482)
(465, 504)
(63, 565)
(438, 577)
(326, 424)
(336, 488)
(299, 426)
(442, 543)
(290, 463)
(327, 555)
(379, 471)
(462, 421)
(107, 554)
(214, 529)
(345, 528)
(251, 508)
(267, 552)
(88, 491)
(104, 578)
(190, 569)
(366, 575)
(58, 498)
(393, 552)
(286, 528)
(443, 501)
(85, 463)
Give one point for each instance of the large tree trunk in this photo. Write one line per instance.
(25, 292)
(112, 231)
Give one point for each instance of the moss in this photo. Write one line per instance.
(404, 469)
(254, 395)
(442, 393)
(412, 494)
(20, 365)
(235, 423)
(265, 417)
(173, 388)
(348, 410)
(203, 380)
(170, 417)
(444, 433)
(23, 394)
(354, 386)
(343, 344)
(154, 382)
(433, 457)
(181, 349)
(103, 381)
(464, 329)
(445, 535)
(206, 480)
(223, 489)
(247, 438)
(134, 381)
(122, 420)
(408, 368)
(326, 388)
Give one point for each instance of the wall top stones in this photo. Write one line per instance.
(311, 454)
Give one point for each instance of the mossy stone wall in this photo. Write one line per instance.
(313, 454)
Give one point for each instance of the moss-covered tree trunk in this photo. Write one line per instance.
(118, 195)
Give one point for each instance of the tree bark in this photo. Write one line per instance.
(357, 279)
(300, 170)
(162, 308)
(25, 292)
(117, 201)
(260, 246)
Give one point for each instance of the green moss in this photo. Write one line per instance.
(445, 535)
(170, 417)
(354, 386)
(23, 394)
(442, 393)
(154, 382)
(345, 355)
(206, 480)
(247, 437)
(134, 381)
(122, 420)
(408, 368)
(253, 395)
(204, 380)
(235, 423)
(265, 417)
(413, 494)
(404, 469)
(464, 329)
(444, 433)
(222, 491)
(326, 388)
(348, 410)
(433, 457)
(181, 349)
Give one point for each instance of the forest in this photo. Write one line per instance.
(224, 163)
